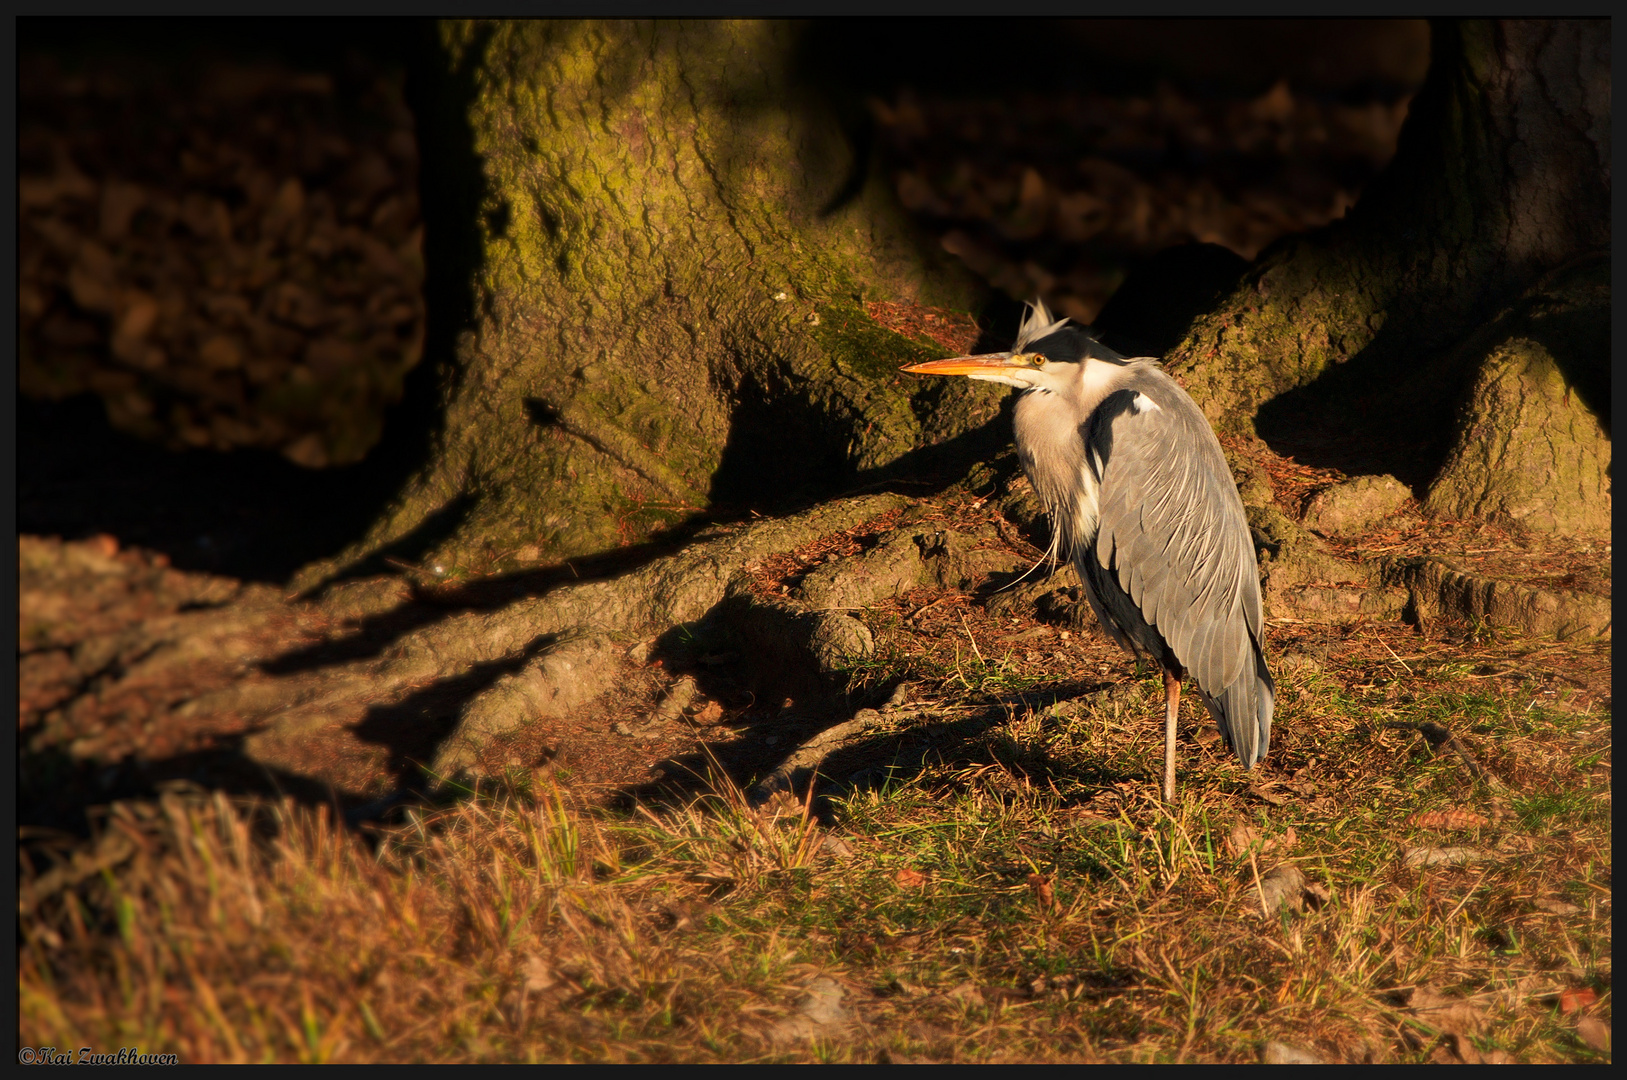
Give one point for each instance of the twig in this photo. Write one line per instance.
(112, 849)
(916, 614)
(1391, 651)
(1265, 909)
(1438, 736)
(972, 639)
(1467, 895)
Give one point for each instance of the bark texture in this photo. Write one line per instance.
(1502, 176)
(673, 253)
(1529, 448)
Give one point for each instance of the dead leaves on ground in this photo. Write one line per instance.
(1244, 840)
(1444, 856)
(1576, 1002)
(1448, 819)
(1457, 1021)
(1594, 1032)
(1576, 999)
(1044, 895)
(1287, 888)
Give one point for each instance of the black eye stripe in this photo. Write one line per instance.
(1070, 345)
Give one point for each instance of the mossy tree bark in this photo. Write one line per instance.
(671, 258)
(1438, 332)
(668, 292)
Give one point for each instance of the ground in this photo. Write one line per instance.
(984, 873)
(234, 844)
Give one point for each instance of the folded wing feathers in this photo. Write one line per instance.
(1183, 554)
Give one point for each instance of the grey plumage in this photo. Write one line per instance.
(1138, 491)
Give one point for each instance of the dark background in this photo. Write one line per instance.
(1210, 137)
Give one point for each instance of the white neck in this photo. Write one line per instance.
(1050, 442)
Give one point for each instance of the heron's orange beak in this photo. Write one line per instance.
(971, 365)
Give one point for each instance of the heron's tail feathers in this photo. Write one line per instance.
(1243, 711)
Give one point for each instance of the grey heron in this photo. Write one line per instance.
(1137, 487)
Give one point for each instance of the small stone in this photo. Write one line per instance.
(1356, 505)
(677, 698)
(836, 846)
(1594, 1032)
(1283, 887)
(1444, 856)
(1279, 1053)
(822, 1001)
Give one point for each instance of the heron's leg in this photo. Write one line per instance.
(1172, 706)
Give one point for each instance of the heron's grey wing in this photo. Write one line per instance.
(1172, 532)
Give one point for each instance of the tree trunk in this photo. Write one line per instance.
(1438, 331)
(674, 239)
(668, 293)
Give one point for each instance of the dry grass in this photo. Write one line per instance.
(1021, 897)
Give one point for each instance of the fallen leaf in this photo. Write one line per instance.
(910, 879)
(539, 975)
(1245, 838)
(1270, 797)
(1456, 1048)
(1594, 1032)
(1447, 819)
(836, 846)
(966, 992)
(997, 995)
(1052, 983)
(1043, 892)
(903, 988)
(819, 1008)
(1556, 907)
(711, 714)
(1277, 1053)
(821, 1002)
(1241, 839)
(1447, 1014)
(1576, 999)
(1282, 887)
(1447, 856)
